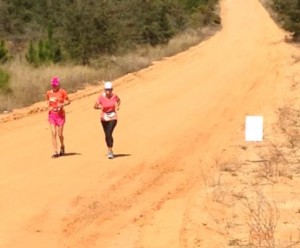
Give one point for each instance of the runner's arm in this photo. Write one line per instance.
(118, 103)
(97, 105)
(66, 102)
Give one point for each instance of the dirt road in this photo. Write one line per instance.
(175, 118)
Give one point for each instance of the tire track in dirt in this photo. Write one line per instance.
(135, 188)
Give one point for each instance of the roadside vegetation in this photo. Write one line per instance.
(287, 14)
(256, 184)
(84, 42)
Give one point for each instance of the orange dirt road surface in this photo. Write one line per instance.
(176, 117)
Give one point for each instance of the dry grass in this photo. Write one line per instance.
(262, 219)
(280, 158)
(217, 188)
(143, 56)
(30, 84)
(288, 121)
(178, 44)
(274, 164)
(260, 187)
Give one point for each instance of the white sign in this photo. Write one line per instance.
(254, 128)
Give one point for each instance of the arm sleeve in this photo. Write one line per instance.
(65, 95)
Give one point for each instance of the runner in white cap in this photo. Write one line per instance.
(109, 103)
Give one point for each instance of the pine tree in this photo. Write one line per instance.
(3, 52)
(4, 82)
(32, 55)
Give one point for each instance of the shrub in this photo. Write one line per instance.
(4, 82)
(3, 52)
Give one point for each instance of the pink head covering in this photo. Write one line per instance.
(55, 81)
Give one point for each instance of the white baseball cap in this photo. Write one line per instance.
(108, 85)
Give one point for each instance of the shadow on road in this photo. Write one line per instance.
(121, 155)
(70, 154)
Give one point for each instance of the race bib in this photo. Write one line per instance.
(53, 99)
(109, 116)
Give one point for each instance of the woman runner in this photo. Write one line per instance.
(109, 103)
(57, 98)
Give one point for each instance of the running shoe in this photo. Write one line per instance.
(62, 151)
(110, 155)
(55, 155)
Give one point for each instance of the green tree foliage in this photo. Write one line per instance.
(83, 29)
(3, 52)
(44, 51)
(192, 5)
(88, 32)
(155, 22)
(289, 12)
(4, 82)
(32, 55)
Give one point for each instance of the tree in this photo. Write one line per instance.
(87, 30)
(157, 21)
(32, 54)
(4, 82)
(289, 11)
(3, 52)
(83, 29)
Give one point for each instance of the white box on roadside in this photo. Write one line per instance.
(254, 128)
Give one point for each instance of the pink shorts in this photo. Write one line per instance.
(56, 119)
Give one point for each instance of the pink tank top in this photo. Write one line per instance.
(108, 107)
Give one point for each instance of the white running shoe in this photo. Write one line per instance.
(110, 155)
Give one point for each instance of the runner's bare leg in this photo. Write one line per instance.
(61, 135)
(54, 134)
